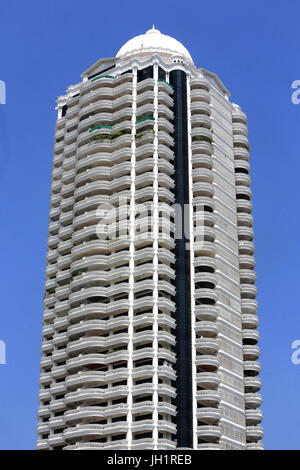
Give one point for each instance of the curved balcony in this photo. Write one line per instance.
(244, 206)
(94, 430)
(94, 396)
(200, 160)
(200, 94)
(254, 433)
(253, 417)
(199, 107)
(251, 368)
(244, 220)
(201, 147)
(249, 306)
(240, 141)
(206, 313)
(253, 400)
(245, 233)
(208, 415)
(209, 398)
(95, 360)
(208, 446)
(92, 379)
(247, 276)
(207, 363)
(200, 83)
(200, 120)
(248, 291)
(94, 413)
(243, 192)
(250, 336)
(208, 380)
(238, 115)
(202, 263)
(209, 433)
(239, 128)
(255, 446)
(251, 353)
(242, 179)
(204, 293)
(247, 261)
(204, 248)
(252, 384)
(206, 346)
(206, 328)
(241, 153)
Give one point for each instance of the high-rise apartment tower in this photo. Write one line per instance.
(150, 326)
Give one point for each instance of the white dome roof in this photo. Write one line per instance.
(154, 40)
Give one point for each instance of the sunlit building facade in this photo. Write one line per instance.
(150, 325)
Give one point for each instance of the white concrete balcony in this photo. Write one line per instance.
(253, 400)
(248, 291)
(241, 153)
(204, 248)
(93, 396)
(148, 407)
(90, 344)
(251, 336)
(242, 179)
(247, 261)
(202, 175)
(198, 94)
(249, 306)
(202, 161)
(204, 294)
(208, 446)
(164, 98)
(94, 413)
(255, 446)
(201, 147)
(209, 433)
(144, 97)
(208, 329)
(207, 363)
(240, 141)
(252, 384)
(253, 417)
(208, 380)
(252, 368)
(208, 415)
(165, 152)
(239, 128)
(244, 220)
(254, 433)
(247, 276)
(198, 107)
(206, 346)
(243, 192)
(165, 87)
(200, 83)
(92, 379)
(244, 206)
(208, 398)
(238, 116)
(94, 430)
(95, 360)
(56, 440)
(205, 313)
(251, 353)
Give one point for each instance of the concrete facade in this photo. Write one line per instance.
(110, 377)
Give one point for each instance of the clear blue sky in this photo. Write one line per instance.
(255, 51)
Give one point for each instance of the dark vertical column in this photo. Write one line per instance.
(182, 268)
